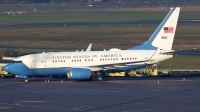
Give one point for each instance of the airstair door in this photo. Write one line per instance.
(33, 62)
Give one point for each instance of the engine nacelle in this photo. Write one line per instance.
(79, 73)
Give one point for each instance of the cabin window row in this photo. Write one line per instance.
(116, 59)
(58, 61)
(76, 60)
(88, 59)
(133, 58)
(79, 60)
(109, 59)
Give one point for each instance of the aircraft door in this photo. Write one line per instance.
(33, 62)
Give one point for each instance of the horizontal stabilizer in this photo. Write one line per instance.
(168, 52)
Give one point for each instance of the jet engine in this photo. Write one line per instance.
(79, 73)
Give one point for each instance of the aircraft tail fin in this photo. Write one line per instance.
(163, 36)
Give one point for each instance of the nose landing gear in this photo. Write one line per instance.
(26, 80)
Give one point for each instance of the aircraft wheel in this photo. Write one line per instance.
(2, 76)
(26, 80)
(100, 78)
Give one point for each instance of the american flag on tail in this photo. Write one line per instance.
(168, 29)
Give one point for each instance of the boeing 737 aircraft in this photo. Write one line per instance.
(80, 65)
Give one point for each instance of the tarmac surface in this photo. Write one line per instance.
(180, 93)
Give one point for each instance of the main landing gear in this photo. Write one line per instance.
(98, 76)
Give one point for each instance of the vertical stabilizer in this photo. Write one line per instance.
(163, 36)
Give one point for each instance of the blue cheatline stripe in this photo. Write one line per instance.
(147, 45)
(22, 70)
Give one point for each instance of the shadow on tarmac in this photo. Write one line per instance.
(107, 79)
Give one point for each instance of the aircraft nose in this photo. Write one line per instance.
(15, 68)
(7, 68)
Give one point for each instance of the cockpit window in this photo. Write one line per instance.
(16, 62)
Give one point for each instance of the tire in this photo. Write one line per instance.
(100, 78)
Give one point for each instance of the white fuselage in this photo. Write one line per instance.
(95, 60)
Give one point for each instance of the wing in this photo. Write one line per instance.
(114, 65)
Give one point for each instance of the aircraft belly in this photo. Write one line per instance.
(49, 71)
(24, 70)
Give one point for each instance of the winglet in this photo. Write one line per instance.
(89, 48)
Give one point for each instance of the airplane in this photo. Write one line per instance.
(81, 65)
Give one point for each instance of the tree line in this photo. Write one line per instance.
(86, 1)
